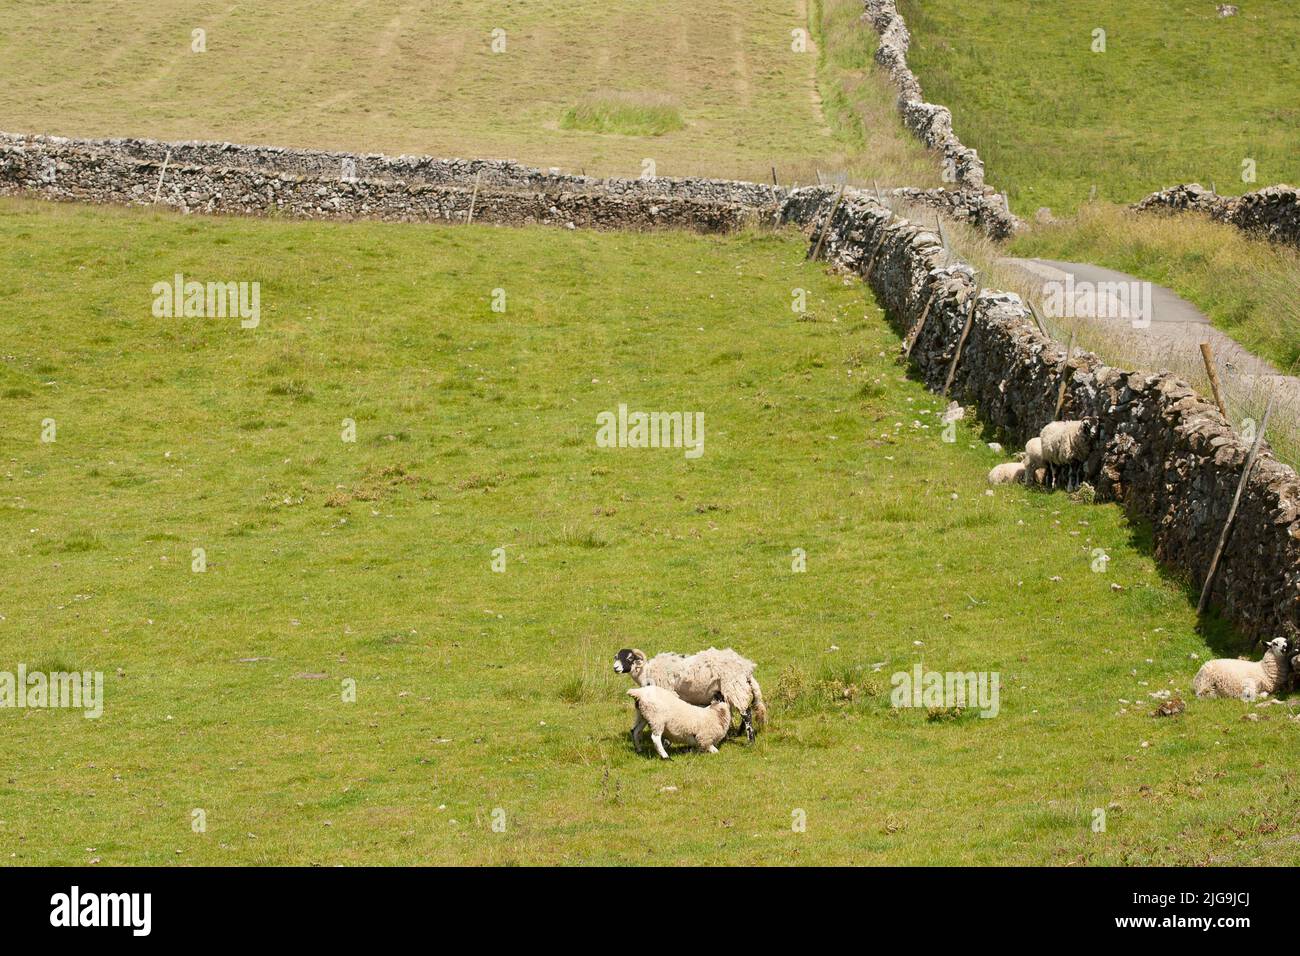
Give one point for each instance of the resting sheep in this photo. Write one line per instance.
(667, 715)
(1007, 473)
(1066, 446)
(696, 679)
(1245, 680)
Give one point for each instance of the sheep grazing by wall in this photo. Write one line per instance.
(1245, 680)
(1007, 473)
(697, 678)
(1066, 446)
(667, 715)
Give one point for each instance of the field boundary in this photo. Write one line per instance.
(220, 178)
(929, 122)
(112, 171)
(1272, 213)
(335, 165)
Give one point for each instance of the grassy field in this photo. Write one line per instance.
(1179, 94)
(399, 76)
(370, 561)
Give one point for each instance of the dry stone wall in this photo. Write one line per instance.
(104, 172)
(1272, 213)
(983, 209)
(1164, 453)
(929, 122)
(328, 165)
(256, 180)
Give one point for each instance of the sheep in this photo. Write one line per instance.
(1245, 680)
(667, 715)
(1035, 466)
(1066, 446)
(697, 678)
(1007, 473)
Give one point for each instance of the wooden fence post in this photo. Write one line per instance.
(1232, 511)
(961, 342)
(871, 263)
(1060, 372)
(1207, 354)
(473, 198)
(817, 249)
(157, 193)
(1039, 322)
(920, 324)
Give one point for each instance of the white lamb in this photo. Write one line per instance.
(1035, 465)
(1245, 680)
(699, 677)
(667, 715)
(1009, 472)
(1066, 446)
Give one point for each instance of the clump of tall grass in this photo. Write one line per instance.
(588, 679)
(833, 687)
(626, 114)
(572, 537)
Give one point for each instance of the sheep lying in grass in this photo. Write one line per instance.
(1035, 465)
(1066, 446)
(1007, 473)
(696, 679)
(1245, 680)
(667, 715)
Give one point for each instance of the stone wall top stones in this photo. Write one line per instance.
(1272, 213)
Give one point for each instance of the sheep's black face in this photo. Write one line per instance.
(623, 661)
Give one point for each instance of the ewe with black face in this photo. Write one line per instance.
(697, 679)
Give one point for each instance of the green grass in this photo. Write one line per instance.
(476, 690)
(1179, 94)
(626, 116)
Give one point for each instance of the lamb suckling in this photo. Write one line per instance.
(1007, 473)
(1245, 680)
(1066, 446)
(1035, 466)
(697, 678)
(667, 715)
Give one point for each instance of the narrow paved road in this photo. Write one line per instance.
(1175, 322)
(1172, 341)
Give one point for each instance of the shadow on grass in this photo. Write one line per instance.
(1220, 635)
